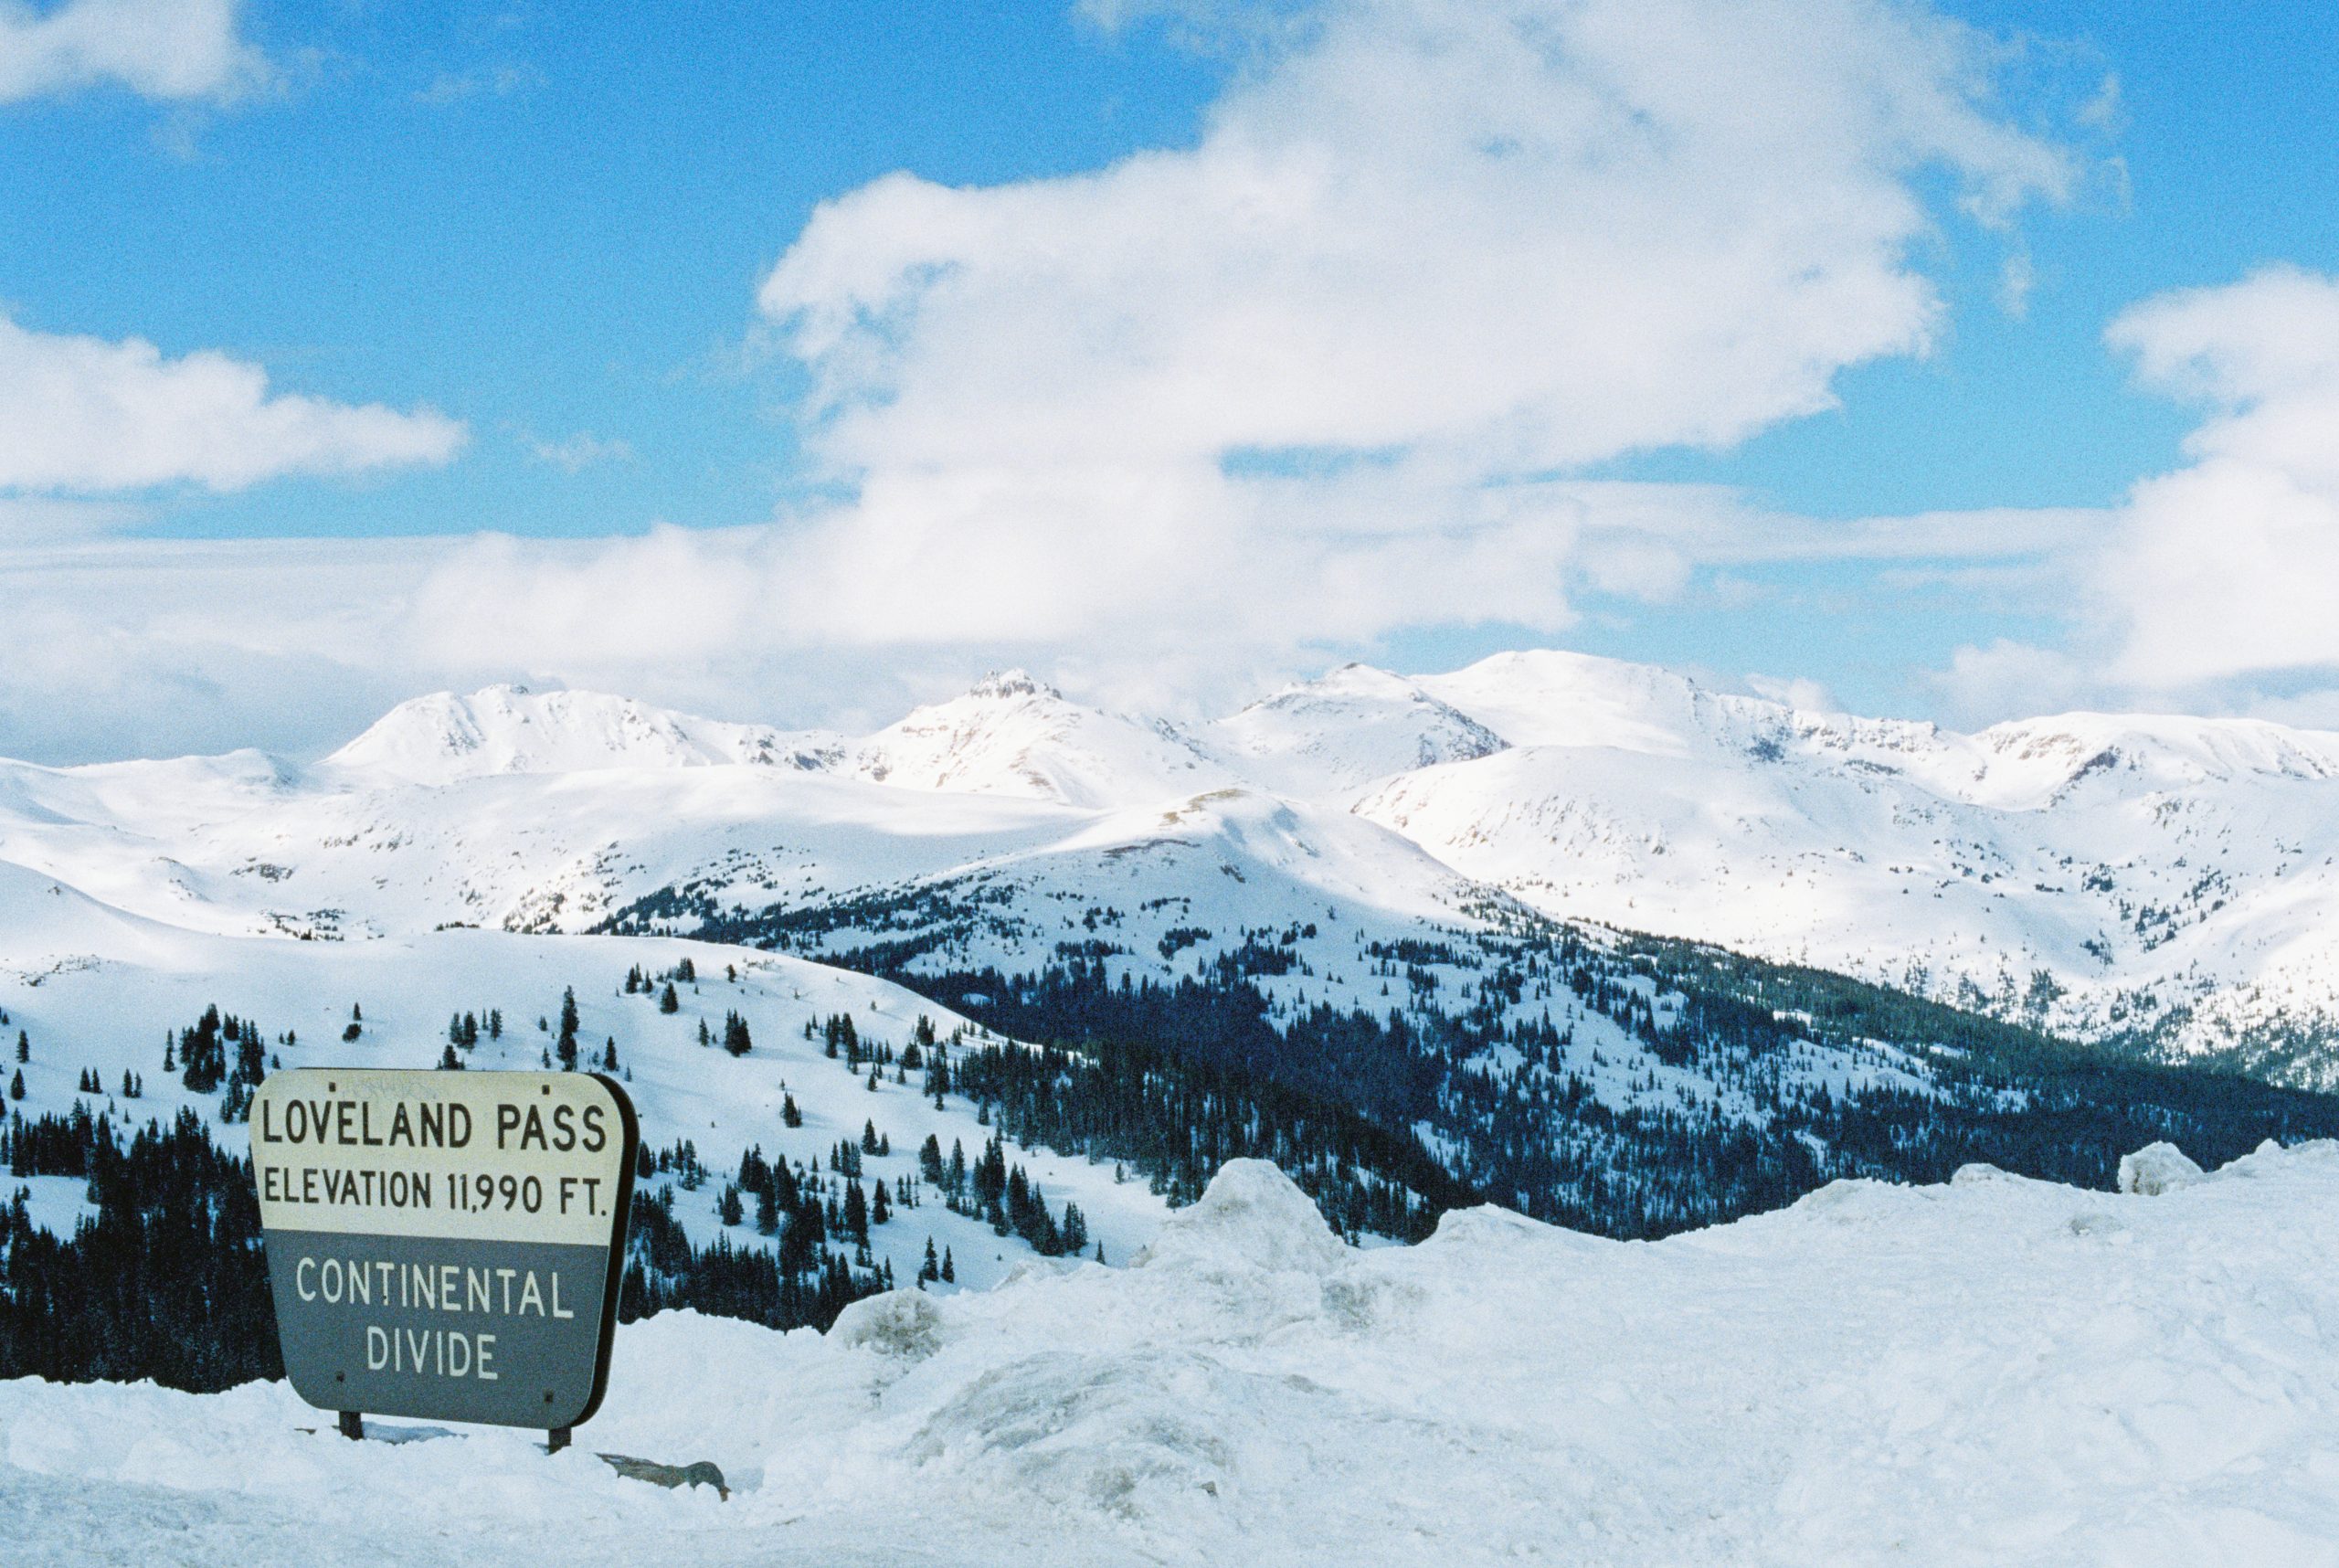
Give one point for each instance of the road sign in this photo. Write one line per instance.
(445, 1245)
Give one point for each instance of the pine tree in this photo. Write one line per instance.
(735, 1038)
(930, 1270)
(24, 1047)
(880, 1208)
(949, 1274)
(869, 1137)
(566, 1047)
(609, 1055)
(668, 1002)
(494, 1023)
(17, 1085)
(447, 1061)
(789, 1116)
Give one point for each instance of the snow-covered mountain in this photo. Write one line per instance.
(1328, 738)
(2163, 881)
(1012, 735)
(442, 738)
(2166, 880)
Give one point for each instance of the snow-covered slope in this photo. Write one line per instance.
(2169, 879)
(1994, 1370)
(96, 990)
(2168, 882)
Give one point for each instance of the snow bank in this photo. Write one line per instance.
(2156, 1168)
(1994, 1370)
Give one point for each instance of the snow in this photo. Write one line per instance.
(441, 738)
(2156, 1168)
(111, 1015)
(54, 1203)
(1994, 1370)
(2169, 883)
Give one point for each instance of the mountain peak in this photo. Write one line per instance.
(1012, 734)
(1001, 684)
(1343, 730)
(500, 729)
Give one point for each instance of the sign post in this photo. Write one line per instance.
(445, 1245)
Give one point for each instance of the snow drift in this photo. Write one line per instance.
(1994, 1370)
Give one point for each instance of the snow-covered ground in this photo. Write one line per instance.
(1993, 1372)
(111, 1016)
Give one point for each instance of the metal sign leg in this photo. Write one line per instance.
(353, 1425)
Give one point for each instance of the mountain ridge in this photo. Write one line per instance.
(2154, 882)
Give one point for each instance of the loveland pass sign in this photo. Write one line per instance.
(445, 1245)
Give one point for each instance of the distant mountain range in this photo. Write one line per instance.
(2162, 885)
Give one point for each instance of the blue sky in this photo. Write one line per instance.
(581, 232)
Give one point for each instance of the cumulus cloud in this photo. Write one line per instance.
(1517, 236)
(1312, 377)
(2212, 586)
(83, 415)
(177, 50)
(1332, 372)
(2231, 566)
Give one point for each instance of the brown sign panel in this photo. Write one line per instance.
(445, 1245)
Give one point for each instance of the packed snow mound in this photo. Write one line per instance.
(1249, 1216)
(2156, 1168)
(1999, 1371)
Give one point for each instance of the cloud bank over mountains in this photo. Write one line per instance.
(1346, 367)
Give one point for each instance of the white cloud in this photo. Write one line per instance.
(83, 415)
(160, 48)
(2213, 588)
(1800, 693)
(1288, 382)
(1526, 235)
(576, 453)
(2231, 566)
(502, 81)
(1179, 425)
